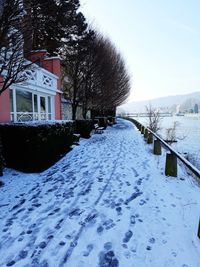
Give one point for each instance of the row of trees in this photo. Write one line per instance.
(93, 71)
(96, 75)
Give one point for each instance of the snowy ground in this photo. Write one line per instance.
(106, 203)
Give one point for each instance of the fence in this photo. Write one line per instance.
(148, 135)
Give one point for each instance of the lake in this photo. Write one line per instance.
(188, 135)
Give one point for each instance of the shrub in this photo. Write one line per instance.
(1, 158)
(35, 147)
(84, 127)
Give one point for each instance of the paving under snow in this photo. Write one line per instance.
(106, 203)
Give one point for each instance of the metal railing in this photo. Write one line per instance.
(184, 160)
(190, 166)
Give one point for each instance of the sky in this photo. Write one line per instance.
(159, 40)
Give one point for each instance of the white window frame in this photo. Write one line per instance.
(35, 116)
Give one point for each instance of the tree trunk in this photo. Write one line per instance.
(74, 108)
(84, 110)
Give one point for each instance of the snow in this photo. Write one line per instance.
(38, 122)
(106, 203)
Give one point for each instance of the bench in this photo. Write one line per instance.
(76, 138)
(109, 123)
(98, 129)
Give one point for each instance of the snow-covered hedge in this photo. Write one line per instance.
(84, 127)
(35, 147)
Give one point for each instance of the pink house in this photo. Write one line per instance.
(39, 96)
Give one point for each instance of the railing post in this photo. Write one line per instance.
(150, 138)
(146, 133)
(171, 165)
(198, 234)
(157, 147)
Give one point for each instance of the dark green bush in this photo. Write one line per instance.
(35, 147)
(84, 127)
(1, 158)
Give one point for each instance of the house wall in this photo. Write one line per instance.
(37, 56)
(5, 106)
(67, 111)
(53, 65)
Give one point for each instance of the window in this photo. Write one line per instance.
(35, 104)
(11, 101)
(24, 101)
(43, 108)
(26, 105)
(49, 108)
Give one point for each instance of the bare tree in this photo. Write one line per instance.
(154, 119)
(12, 57)
(171, 133)
(110, 80)
(97, 75)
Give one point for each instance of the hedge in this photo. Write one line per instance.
(35, 147)
(84, 127)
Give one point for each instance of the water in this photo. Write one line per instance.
(188, 135)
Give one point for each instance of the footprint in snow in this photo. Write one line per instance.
(109, 224)
(174, 254)
(88, 250)
(142, 202)
(119, 210)
(152, 240)
(108, 259)
(127, 236)
(23, 254)
(100, 229)
(10, 263)
(132, 219)
(148, 248)
(108, 246)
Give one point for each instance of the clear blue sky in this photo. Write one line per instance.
(159, 39)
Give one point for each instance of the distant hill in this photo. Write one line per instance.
(169, 103)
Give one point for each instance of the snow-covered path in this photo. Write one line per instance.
(106, 203)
